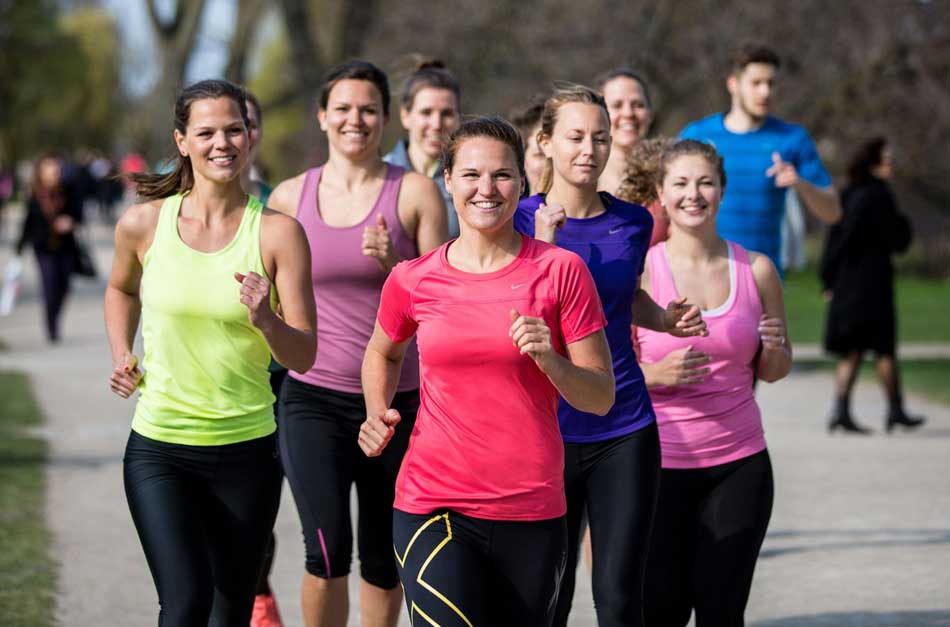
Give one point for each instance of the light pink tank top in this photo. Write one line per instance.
(347, 285)
(717, 421)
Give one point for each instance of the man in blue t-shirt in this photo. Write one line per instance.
(763, 156)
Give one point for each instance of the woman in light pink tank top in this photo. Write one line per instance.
(716, 484)
(361, 217)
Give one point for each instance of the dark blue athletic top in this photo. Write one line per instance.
(614, 246)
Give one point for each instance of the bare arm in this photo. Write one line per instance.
(432, 222)
(286, 196)
(823, 202)
(775, 359)
(292, 337)
(123, 307)
(585, 378)
(679, 318)
(381, 366)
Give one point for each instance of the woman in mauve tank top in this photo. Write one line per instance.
(716, 485)
(362, 217)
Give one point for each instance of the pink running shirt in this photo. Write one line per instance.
(716, 421)
(486, 441)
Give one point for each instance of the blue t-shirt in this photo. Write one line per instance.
(753, 207)
(614, 246)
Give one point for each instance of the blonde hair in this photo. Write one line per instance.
(564, 93)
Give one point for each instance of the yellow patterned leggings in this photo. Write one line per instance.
(459, 571)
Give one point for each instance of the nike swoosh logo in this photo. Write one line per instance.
(615, 231)
(517, 285)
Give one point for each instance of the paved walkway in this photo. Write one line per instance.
(860, 534)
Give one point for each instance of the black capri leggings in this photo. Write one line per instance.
(319, 430)
(710, 524)
(459, 571)
(616, 481)
(204, 515)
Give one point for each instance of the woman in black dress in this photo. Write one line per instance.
(858, 276)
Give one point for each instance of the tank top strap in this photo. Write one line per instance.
(661, 281)
(388, 201)
(168, 217)
(747, 294)
(307, 204)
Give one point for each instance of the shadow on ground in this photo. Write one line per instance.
(850, 539)
(933, 618)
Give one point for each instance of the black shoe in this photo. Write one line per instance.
(899, 418)
(846, 424)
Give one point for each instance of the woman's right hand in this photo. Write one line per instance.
(684, 366)
(547, 220)
(377, 430)
(126, 375)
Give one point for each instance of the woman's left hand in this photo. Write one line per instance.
(255, 295)
(684, 320)
(772, 333)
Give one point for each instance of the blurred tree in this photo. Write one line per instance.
(60, 78)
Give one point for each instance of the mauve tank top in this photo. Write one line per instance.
(716, 421)
(347, 285)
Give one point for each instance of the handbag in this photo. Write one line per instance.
(85, 265)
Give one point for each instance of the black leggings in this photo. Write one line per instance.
(710, 524)
(203, 515)
(616, 481)
(459, 571)
(322, 459)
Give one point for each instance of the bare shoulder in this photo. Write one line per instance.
(762, 269)
(286, 195)
(279, 225)
(417, 184)
(138, 222)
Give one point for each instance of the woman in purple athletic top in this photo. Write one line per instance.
(612, 462)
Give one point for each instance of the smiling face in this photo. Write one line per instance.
(254, 130)
(433, 116)
(215, 139)
(579, 143)
(485, 184)
(353, 118)
(691, 192)
(630, 113)
(751, 90)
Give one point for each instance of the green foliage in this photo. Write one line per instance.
(921, 308)
(27, 572)
(60, 78)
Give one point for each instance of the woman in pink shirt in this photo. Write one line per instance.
(361, 217)
(505, 325)
(716, 480)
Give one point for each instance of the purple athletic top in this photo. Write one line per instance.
(347, 285)
(614, 246)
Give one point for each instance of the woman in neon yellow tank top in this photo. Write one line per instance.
(201, 263)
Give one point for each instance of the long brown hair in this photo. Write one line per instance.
(564, 93)
(151, 186)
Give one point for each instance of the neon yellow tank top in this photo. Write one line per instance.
(206, 379)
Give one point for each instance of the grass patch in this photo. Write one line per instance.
(27, 572)
(926, 377)
(921, 308)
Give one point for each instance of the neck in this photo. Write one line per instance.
(480, 251)
(696, 245)
(739, 121)
(421, 162)
(211, 200)
(352, 173)
(578, 202)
